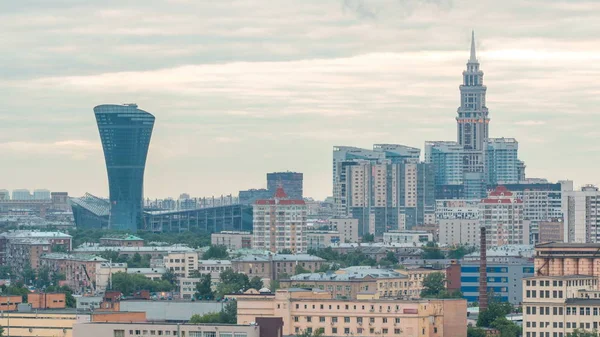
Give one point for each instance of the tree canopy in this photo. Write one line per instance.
(431, 251)
(131, 283)
(495, 309)
(353, 258)
(434, 286)
(204, 289)
(218, 252)
(228, 315)
(232, 283)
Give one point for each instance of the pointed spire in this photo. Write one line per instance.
(473, 58)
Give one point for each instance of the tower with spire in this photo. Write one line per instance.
(472, 121)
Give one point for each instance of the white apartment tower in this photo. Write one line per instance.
(581, 210)
(279, 223)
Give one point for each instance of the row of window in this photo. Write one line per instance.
(544, 294)
(359, 320)
(121, 333)
(347, 307)
(359, 331)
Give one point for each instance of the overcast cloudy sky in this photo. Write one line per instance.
(241, 88)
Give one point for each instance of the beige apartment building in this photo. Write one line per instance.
(181, 263)
(232, 240)
(557, 305)
(80, 270)
(316, 310)
(273, 266)
(346, 227)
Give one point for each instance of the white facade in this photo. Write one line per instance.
(321, 239)
(407, 237)
(232, 240)
(21, 194)
(41, 194)
(456, 209)
(459, 232)
(581, 211)
(187, 287)
(104, 273)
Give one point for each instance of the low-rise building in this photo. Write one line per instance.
(214, 268)
(102, 329)
(155, 274)
(51, 323)
(317, 239)
(349, 283)
(306, 310)
(557, 305)
(47, 300)
(405, 236)
(105, 272)
(270, 267)
(182, 264)
(187, 286)
(232, 240)
(347, 227)
(124, 240)
(79, 270)
(503, 279)
(153, 251)
(10, 302)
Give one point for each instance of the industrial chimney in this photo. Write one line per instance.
(483, 295)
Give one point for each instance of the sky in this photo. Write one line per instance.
(242, 88)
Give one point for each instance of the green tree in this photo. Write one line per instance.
(433, 285)
(274, 285)
(216, 252)
(203, 288)
(390, 259)
(227, 315)
(583, 333)
(495, 310)
(458, 252)
(301, 270)
(431, 251)
(305, 333)
(256, 283)
(170, 277)
(43, 278)
(286, 251)
(475, 332)
(506, 327)
(5, 272)
(231, 283)
(28, 274)
(368, 237)
(131, 283)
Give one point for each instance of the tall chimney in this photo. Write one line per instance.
(483, 295)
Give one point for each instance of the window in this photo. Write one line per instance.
(384, 320)
(346, 319)
(346, 330)
(334, 319)
(321, 319)
(137, 332)
(385, 331)
(296, 319)
(195, 334)
(152, 332)
(308, 319)
(397, 321)
(334, 330)
(372, 320)
(240, 334)
(119, 333)
(396, 331)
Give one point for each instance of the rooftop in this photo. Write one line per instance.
(562, 277)
(78, 257)
(349, 274)
(123, 237)
(506, 250)
(99, 249)
(278, 257)
(594, 245)
(25, 234)
(146, 270)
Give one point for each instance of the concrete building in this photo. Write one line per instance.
(80, 270)
(501, 213)
(271, 267)
(102, 329)
(551, 231)
(502, 161)
(279, 224)
(104, 274)
(153, 251)
(351, 282)
(125, 240)
(21, 194)
(153, 273)
(407, 237)
(457, 209)
(557, 305)
(171, 311)
(187, 287)
(503, 279)
(249, 197)
(316, 239)
(4, 195)
(181, 263)
(232, 240)
(581, 211)
(463, 232)
(51, 323)
(22, 247)
(316, 310)
(41, 194)
(291, 182)
(347, 227)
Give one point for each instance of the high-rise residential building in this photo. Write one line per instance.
(501, 213)
(21, 194)
(385, 189)
(248, 197)
(347, 227)
(581, 211)
(125, 132)
(4, 194)
(279, 223)
(542, 201)
(502, 161)
(41, 194)
(290, 181)
(458, 222)
(447, 160)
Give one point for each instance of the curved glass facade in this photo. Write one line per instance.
(125, 132)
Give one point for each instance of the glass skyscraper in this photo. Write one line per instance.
(125, 132)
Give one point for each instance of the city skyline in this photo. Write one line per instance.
(228, 118)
